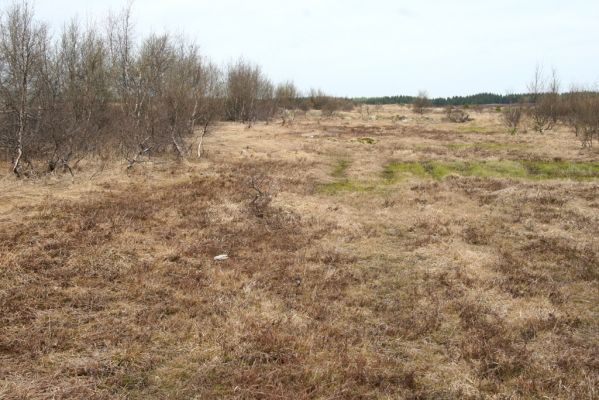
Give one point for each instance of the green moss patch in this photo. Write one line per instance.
(345, 186)
(499, 169)
(366, 140)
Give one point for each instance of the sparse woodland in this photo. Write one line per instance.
(543, 108)
(103, 91)
(577, 109)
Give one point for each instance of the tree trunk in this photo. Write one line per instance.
(17, 161)
(200, 144)
(15, 168)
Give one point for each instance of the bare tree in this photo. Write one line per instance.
(194, 95)
(286, 96)
(127, 86)
(572, 103)
(249, 94)
(545, 97)
(328, 105)
(209, 102)
(511, 116)
(265, 102)
(22, 43)
(583, 115)
(121, 45)
(77, 93)
(318, 99)
(421, 103)
(159, 89)
(89, 92)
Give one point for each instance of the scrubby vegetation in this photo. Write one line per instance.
(309, 251)
(401, 280)
(421, 103)
(95, 94)
(468, 272)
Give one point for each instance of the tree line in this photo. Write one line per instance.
(476, 99)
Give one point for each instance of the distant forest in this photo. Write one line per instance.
(481, 98)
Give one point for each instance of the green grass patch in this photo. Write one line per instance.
(340, 169)
(473, 128)
(345, 186)
(366, 140)
(562, 169)
(517, 169)
(396, 170)
(499, 169)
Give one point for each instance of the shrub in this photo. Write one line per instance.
(545, 96)
(421, 103)
(511, 117)
(457, 115)
(582, 115)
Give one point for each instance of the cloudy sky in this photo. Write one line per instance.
(378, 47)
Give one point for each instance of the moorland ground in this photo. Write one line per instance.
(370, 256)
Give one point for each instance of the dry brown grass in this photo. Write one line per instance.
(464, 287)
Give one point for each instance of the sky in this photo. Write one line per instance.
(359, 48)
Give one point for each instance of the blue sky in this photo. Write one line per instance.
(378, 47)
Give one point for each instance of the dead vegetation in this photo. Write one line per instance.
(511, 117)
(421, 103)
(457, 115)
(434, 285)
(105, 92)
(379, 253)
